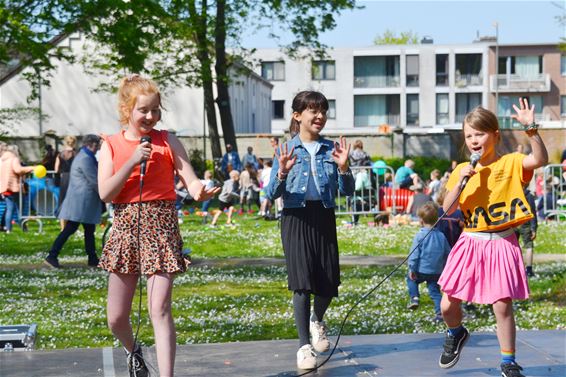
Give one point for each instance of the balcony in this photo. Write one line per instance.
(368, 120)
(464, 80)
(517, 83)
(376, 82)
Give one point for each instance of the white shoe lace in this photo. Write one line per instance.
(320, 329)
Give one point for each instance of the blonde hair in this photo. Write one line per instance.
(70, 141)
(130, 88)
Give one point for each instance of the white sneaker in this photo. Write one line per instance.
(320, 340)
(306, 358)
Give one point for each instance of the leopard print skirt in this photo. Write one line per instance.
(161, 243)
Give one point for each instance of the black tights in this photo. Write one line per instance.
(302, 309)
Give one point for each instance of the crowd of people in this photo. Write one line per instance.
(461, 252)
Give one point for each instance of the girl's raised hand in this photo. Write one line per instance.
(524, 115)
(341, 153)
(286, 159)
(205, 194)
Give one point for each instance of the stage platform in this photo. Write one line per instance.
(541, 353)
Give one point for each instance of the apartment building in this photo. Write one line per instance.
(418, 88)
(537, 72)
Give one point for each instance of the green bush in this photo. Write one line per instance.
(423, 165)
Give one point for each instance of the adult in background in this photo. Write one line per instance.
(359, 157)
(63, 168)
(405, 176)
(11, 172)
(49, 158)
(82, 204)
(230, 158)
(250, 158)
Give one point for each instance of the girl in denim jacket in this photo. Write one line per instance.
(307, 172)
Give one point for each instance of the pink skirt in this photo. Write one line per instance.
(483, 270)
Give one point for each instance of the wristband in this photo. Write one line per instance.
(531, 127)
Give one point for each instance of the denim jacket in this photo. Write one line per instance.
(293, 189)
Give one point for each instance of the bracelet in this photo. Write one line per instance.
(531, 127)
(347, 172)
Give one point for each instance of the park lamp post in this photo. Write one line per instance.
(496, 25)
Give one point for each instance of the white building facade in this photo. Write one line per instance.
(422, 88)
(72, 106)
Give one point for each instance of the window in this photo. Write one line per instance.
(412, 109)
(274, 71)
(442, 108)
(412, 70)
(523, 66)
(331, 113)
(323, 70)
(465, 102)
(442, 70)
(376, 71)
(376, 110)
(563, 106)
(278, 109)
(563, 65)
(468, 70)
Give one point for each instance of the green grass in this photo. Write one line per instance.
(231, 303)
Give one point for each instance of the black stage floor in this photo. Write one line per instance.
(541, 353)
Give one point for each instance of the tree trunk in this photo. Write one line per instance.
(199, 21)
(222, 79)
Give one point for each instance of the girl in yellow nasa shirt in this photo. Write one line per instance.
(485, 265)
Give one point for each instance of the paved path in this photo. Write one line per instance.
(541, 353)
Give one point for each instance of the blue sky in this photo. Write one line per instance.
(447, 22)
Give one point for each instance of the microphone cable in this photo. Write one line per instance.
(366, 295)
(140, 284)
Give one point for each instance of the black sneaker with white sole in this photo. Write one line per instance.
(511, 370)
(452, 348)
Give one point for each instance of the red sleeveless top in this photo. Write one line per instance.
(159, 180)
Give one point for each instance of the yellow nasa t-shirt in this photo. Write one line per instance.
(493, 198)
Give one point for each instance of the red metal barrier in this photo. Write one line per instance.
(401, 199)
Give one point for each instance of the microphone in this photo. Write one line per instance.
(144, 162)
(474, 159)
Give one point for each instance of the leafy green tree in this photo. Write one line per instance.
(174, 41)
(389, 37)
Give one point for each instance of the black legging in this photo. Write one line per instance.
(302, 309)
(70, 228)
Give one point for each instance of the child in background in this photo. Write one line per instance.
(307, 172)
(228, 196)
(156, 251)
(427, 260)
(434, 184)
(485, 265)
(528, 232)
(208, 183)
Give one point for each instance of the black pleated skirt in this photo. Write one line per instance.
(310, 244)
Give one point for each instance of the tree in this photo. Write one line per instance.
(389, 37)
(176, 41)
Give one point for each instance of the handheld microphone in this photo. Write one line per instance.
(474, 159)
(144, 162)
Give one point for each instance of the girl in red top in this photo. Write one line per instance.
(159, 252)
